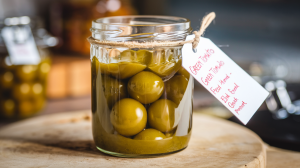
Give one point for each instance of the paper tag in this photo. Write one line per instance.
(223, 78)
(20, 45)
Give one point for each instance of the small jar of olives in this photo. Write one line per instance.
(23, 84)
(23, 87)
(141, 96)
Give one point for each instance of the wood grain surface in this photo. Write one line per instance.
(280, 158)
(65, 140)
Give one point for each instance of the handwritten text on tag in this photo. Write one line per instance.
(223, 78)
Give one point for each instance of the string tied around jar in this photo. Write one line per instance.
(206, 21)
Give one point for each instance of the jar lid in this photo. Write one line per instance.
(141, 28)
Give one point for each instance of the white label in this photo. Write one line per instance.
(20, 45)
(223, 78)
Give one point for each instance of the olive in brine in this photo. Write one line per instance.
(125, 70)
(175, 88)
(150, 134)
(98, 67)
(128, 116)
(25, 108)
(161, 115)
(22, 91)
(144, 57)
(127, 55)
(146, 87)
(165, 69)
(8, 107)
(26, 72)
(37, 89)
(113, 89)
(163, 65)
(7, 79)
(183, 72)
(44, 69)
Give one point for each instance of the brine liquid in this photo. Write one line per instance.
(111, 76)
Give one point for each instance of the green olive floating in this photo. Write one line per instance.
(124, 70)
(161, 115)
(144, 57)
(26, 72)
(162, 66)
(141, 56)
(146, 87)
(129, 117)
(150, 134)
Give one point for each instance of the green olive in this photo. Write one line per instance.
(150, 134)
(113, 89)
(125, 70)
(37, 89)
(7, 80)
(22, 91)
(146, 87)
(163, 66)
(144, 57)
(183, 72)
(127, 66)
(26, 72)
(99, 67)
(44, 68)
(176, 87)
(141, 56)
(128, 116)
(128, 56)
(8, 108)
(25, 108)
(129, 63)
(161, 115)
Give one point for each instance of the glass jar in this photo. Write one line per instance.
(141, 97)
(23, 87)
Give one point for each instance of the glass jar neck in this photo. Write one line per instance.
(141, 28)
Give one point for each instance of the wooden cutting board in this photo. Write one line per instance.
(65, 140)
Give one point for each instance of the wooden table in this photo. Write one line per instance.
(280, 158)
(65, 140)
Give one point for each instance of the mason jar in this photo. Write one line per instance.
(23, 86)
(141, 96)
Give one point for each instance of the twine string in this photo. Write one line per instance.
(206, 21)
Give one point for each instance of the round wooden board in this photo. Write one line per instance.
(65, 140)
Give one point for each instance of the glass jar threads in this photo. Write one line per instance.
(141, 96)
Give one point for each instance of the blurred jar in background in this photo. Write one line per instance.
(23, 87)
(76, 18)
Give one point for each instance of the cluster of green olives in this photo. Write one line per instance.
(142, 91)
(22, 88)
